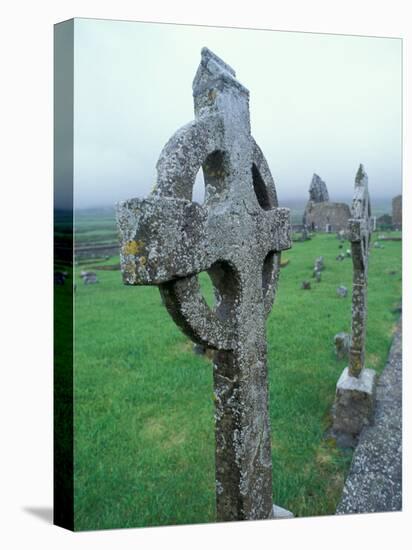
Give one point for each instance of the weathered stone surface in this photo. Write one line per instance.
(318, 276)
(322, 215)
(281, 513)
(319, 264)
(360, 234)
(342, 291)
(318, 192)
(237, 236)
(354, 401)
(89, 277)
(305, 234)
(355, 389)
(342, 341)
(334, 214)
(397, 212)
(374, 482)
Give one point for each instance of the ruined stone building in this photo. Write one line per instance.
(397, 212)
(321, 214)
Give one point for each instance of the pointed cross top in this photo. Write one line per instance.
(214, 73)
(361, 176)
(207, 55)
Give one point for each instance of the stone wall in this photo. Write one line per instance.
(397, 211)
(318, 215)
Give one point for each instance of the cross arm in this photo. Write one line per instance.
(161, 239)
(280, 229)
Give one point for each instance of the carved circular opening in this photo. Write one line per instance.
(198, 191)
(207, 288)
(260, 188)
(225, 288)
(268, 272)
(210, 180)
(204, 305)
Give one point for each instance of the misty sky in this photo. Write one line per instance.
(319, 103)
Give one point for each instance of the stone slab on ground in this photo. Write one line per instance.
(374, 483)
(281, 513)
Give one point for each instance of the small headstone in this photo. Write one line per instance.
(305, 285)
(318, 276)
(342, 291)
(305, 234)
(89, 277)
(319, 265)
(342, 342)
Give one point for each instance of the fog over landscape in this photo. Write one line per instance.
(319, 103)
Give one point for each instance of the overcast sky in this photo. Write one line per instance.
(319, 103)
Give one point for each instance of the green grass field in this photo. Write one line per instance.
(144, 429)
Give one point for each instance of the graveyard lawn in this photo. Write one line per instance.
(144, 428)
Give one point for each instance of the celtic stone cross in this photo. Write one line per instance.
(236, 236)
(360, 231)
(355, 390)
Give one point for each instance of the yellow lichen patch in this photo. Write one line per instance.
(142, 261)
(132, 247)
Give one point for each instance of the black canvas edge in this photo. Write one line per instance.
(63, 382)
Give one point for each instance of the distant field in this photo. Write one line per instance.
(144, 438)
(99, 226)
(95, 226)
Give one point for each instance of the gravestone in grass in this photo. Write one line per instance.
(355, 389)
(236, 236)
